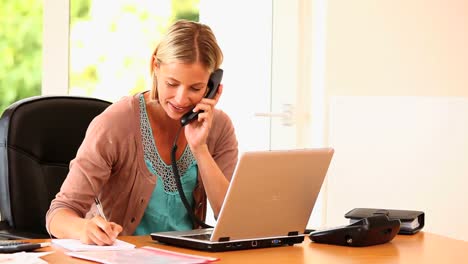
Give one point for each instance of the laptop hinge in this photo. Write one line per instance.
(223, 239)
(293, 233)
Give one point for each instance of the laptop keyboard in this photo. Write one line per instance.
(200, 236)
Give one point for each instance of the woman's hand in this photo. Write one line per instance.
(99, 232)
(196, 132)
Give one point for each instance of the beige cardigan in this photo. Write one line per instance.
(111, 159)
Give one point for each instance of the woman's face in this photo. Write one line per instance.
(180, 87)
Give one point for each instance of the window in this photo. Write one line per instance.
(111, 44)
(20, 50)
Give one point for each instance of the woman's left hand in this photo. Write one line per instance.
(196, 132)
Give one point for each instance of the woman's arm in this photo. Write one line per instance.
(214, 180)
(213, 143)
(89, 172)
(67, 224)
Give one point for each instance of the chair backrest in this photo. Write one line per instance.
(38, 138)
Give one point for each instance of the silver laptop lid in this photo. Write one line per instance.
(272, 193)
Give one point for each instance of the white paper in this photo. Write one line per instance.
(76, 245)
(23, 258)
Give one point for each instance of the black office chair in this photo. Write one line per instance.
(38, 138)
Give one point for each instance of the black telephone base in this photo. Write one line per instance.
(365, 232)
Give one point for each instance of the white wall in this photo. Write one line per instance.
(398, 109)
(401, 152)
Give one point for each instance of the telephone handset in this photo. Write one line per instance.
(213, 84)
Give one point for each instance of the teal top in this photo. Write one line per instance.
(165, 210)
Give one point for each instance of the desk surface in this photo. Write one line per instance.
(420, 248)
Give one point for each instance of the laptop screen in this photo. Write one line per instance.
(272, 193)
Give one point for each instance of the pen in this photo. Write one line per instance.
(99, 207)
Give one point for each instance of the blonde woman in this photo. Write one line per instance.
(125, 158)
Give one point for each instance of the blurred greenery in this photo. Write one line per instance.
(21, 44)
(119, 69)
(185, 9)
(79, 9)
(20, 50)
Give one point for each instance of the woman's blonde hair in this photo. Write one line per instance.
(186, 42)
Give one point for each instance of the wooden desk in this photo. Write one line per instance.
(420, 248)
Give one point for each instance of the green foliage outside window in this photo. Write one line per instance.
(111, 44)
(20, 50)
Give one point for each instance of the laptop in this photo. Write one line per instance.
(268, 202)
